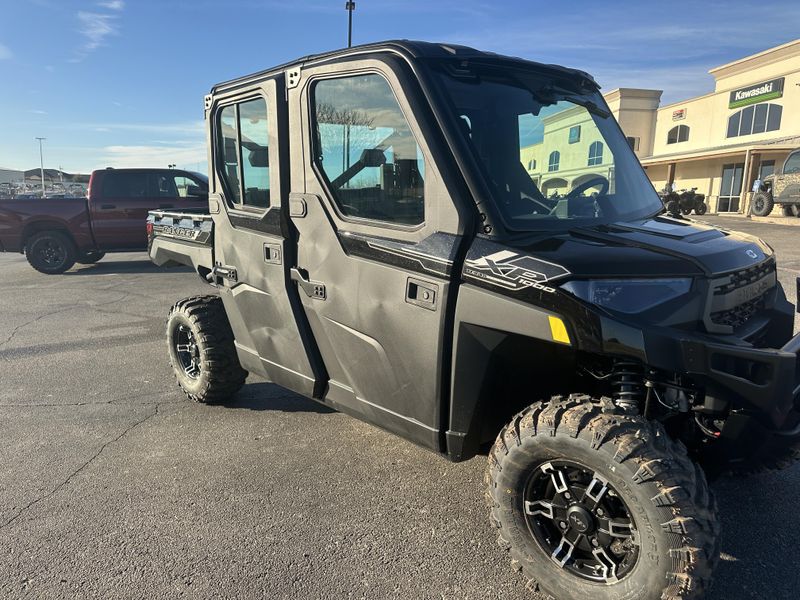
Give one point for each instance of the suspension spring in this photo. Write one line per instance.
(627, 381)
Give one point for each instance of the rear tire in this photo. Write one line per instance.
(89, 258)
(673, 207)
(700, 209)
(650, 517)
(201, 350)
(762, 204)
(50, 252)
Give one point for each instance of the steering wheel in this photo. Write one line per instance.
(594, 181)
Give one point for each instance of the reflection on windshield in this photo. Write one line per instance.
(552, 161)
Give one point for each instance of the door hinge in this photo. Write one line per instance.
(313, 289)
(220, 272)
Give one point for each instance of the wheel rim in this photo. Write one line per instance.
(759, 204)
(51, 253)
(187, 351)
(580, 521)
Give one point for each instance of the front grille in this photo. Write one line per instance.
(746, 277)
(740, 314)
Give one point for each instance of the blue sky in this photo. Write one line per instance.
(121, 82)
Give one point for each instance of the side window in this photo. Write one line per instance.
(164, 186)
(125, 185)
(367, 152)
(188, 187)
(243, 145)
(792, 164)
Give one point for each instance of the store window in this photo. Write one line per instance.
(553, 162)
(755, 119)
(595, 154)
(679, 133)
(765, 169)
(532, 164)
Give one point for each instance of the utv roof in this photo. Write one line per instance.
(408, 48)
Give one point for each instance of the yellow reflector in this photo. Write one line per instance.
(558, 330)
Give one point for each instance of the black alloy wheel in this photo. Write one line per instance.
(50, 252)
(580, 521)
(187, 351)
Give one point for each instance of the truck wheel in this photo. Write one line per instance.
(791, 210)
(89, 258)
(201, 350)
(762, 204)
(50, 252)
(596, 505)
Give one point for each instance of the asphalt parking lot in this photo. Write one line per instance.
(113, 486)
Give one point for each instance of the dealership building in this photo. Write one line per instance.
(719, 142)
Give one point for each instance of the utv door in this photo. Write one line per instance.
(378, 235)
(250, 237)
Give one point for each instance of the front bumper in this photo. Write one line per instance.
(762, 381)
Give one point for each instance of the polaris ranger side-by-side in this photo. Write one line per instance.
(378, 246)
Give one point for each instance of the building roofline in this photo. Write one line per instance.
(737, 64)
(773, 145)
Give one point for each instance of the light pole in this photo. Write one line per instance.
(41, 162)
(350, 6)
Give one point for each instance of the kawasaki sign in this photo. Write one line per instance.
(759, 92)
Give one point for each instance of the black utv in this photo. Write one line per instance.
(462, 248)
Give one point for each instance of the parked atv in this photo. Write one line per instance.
(683, 202)
(377, 245)
(782, 188)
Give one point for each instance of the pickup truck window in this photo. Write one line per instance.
(125, 185)
(166, 185)
(367, 152)
(243, 138)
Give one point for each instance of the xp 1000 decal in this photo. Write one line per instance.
(514, 271)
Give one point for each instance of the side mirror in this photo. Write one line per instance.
(372, 157)
(259, 158)
(195, 191)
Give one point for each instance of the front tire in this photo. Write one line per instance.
(701, 209)
(762, 204)
(597, 505)
(201, 350)
(50, 252)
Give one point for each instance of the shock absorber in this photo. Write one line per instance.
(627, 381)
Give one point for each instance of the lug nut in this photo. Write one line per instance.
(595, 543)
(562, 524)
(567, 495)
(600, 512)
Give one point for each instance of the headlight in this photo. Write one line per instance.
(628, 295)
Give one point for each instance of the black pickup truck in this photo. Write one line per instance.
(378, 245)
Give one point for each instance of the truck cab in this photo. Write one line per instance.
(379, 245)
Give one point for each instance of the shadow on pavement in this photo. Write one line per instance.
(268, 396)
(125, 266)
(759, 547)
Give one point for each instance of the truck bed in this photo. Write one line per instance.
(181, 238)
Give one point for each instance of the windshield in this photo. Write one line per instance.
(553, 156)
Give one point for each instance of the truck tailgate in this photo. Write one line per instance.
(181, 238)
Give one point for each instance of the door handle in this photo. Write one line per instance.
(421, 293)
(313, 289)
(108, 206)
